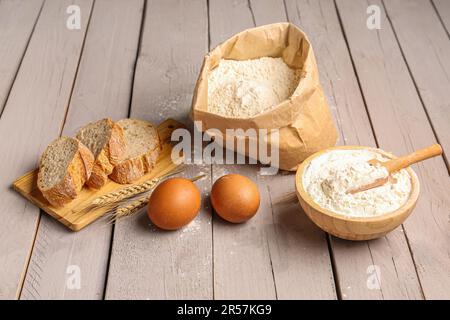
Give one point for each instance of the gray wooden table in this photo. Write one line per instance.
(388, 88)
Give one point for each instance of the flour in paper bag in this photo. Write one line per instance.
(242, 89)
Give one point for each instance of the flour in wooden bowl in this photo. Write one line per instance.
(330, 176)
(242, 89)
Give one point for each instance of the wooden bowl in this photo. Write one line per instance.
(354, 228)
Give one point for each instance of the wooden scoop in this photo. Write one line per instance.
(398, 164)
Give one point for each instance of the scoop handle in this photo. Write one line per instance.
(417, 156)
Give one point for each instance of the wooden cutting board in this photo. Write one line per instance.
(70, 214)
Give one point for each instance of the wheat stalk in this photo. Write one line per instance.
(125, 193)
(130, 191)
(116, 198)
(129, 209)
(135, 205)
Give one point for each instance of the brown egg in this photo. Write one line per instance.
(235, 198)
(174, 203)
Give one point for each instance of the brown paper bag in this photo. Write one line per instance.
(304, 120)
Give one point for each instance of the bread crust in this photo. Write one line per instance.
(112, 153)
(78, 172)
(131, 170)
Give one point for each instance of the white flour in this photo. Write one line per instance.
(329, 176)
(242, 89)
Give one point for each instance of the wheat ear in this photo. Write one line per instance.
(131, 191)
(129, 209)
(125, 193)
(114, 199)
(135, 205)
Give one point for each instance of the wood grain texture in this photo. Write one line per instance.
(294, 266)
(17, 20)
(242, 262)
(102, 89)
(242, 265)
(352, 259)
(267, 248)
(297, 246)
(279, 253)
(104, 82)
(298, 249)
(443, 10)
(32, 118)
(268, 11)
(401, 125)
(227, 18)
(426, 47)
(148, 263)
(169, 61)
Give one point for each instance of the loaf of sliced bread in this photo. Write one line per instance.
(142, 150)
(106, 141)
(64, 167)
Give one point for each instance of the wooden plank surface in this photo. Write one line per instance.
(401, 125)
(443, 10)
(171, 56)
(298, 249)
(32, 118)
(267, 249)
(279, 253)
(320, 21)
(268, 11)
(242, 266)
(426, 47)
(102, 89)
(242, 260)
(17, 20)
(148, 263)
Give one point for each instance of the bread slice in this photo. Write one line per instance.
(64, 167)
(106, 141)
(142, 151)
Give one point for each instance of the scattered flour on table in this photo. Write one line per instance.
(193, 227)
(242, 89)
(329, 176)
